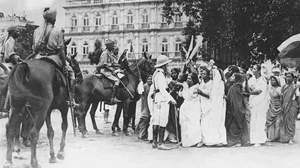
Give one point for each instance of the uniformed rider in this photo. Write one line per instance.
(161, 102)
(108, 67)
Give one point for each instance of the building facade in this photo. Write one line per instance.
(136, 22)
(6, 21)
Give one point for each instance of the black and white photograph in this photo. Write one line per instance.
(149, 83)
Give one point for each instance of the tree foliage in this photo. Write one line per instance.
(25, 41)
(252, 28)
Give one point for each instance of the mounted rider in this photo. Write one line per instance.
(48, 40)
(109, 68)
(8, 51)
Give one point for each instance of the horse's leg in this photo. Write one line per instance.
(83, 108)
(126, 117)
(116, 119)
(50, 135)
(132, 111)
(26, 125)
(92, 113)
(40, 110)
(11, 126)
(64, 127)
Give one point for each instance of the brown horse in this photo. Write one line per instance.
(92, 90)
(36, 82)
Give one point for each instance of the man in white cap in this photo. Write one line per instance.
(108, 66)
(48, 40)
(161, 102)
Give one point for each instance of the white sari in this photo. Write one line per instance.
(213, 122)
(190, 116)
(258, 105)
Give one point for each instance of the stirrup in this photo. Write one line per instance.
(73, 103)
(115, 100)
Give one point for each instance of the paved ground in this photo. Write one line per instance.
(123, 151)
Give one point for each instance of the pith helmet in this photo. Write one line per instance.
(162, 60)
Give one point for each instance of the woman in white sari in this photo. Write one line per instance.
(258, 104)
(213, 120)
(190, 112)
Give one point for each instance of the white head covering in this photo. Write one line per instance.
(49, 13)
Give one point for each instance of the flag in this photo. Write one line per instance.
(190, 48)
(290, 55)
(288, 41)
(199, 43)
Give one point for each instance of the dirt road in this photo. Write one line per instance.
(123, 151)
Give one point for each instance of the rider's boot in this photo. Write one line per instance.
(113, 98)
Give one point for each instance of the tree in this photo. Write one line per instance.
(252, 28)
(25, 41)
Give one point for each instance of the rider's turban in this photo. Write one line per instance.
(109, 42)
(49, 13)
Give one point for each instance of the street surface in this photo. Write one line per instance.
(127, 151)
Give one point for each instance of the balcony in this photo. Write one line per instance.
(77, 2)
(145, 26)
(178, 24)
(86, 29)
(114, 0)
(177, 54)
(98, 1)
(114, 27)
(129, 26)
(97, 28)
(164, 25)
(74, 30)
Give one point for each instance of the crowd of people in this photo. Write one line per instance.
(206, 106)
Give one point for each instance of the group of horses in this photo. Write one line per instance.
(37, 83)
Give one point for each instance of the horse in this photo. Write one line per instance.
(37, 83)
(92, 90)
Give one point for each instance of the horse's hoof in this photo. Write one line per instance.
(8, 165)
(98, 132)
(61, 155)
(26, 143)
(128, 134)
(119, 129)
(52, 160)
(36, 166)
(115, 134)
(84, 135)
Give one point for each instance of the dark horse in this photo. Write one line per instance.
(36, 82)
(92, 90)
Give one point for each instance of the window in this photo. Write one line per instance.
(145, 46)
(177, 18)
(115, 18)
(86, 23)
(74, 24)
(163, 19)
(129, 17)
(177, 47)
(85, 50)
(164, 23)
(164, 46)
(98, 21)
(73, 48)
(145, 17)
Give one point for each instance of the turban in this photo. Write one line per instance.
(49, 14)
(12, 28)
(109, 42)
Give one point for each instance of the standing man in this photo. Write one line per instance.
(161, 102)
(107, 66)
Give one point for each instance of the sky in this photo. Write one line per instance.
(34, 9)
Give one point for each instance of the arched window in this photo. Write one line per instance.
(129, 17)
(178, 45)
(73, 48)
(145, 46)
(74, 23)
(85, 49)
(115, 18)
(86, 22)
(98, 22)
(164, 46)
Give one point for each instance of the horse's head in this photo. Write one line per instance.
(123, 62)
(146, 65)
(75, 66)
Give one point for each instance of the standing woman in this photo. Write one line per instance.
(258, 105)
(215, 119)
(204, 91)
(274, 115)
(290, 93)
(190, 112)
(237, 130)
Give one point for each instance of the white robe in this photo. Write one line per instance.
(258, 105)
(213, 121)
(190, 113)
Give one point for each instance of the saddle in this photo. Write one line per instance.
(107, 83)
(58, 70)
